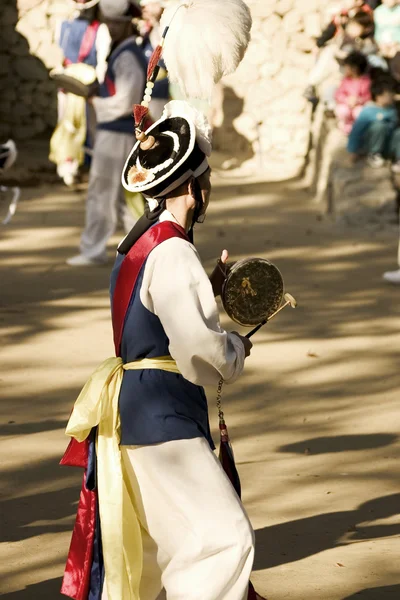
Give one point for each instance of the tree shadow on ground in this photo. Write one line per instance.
(44, 589)
(340, 443)
(295, 540)
(379, 593)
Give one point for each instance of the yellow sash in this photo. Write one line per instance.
(97, 405)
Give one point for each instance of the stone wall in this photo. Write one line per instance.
(265, 120)
(275, 118)
(27, 51)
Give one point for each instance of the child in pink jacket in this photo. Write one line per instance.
(353, 92)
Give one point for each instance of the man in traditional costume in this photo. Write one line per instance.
(158, 517)
(123, 86)
(84, 40)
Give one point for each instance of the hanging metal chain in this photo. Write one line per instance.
(219, 400)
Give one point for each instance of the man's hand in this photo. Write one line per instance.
(246, 343)
(219, 274)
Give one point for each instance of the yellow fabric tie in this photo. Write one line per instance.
(69, 136)
(97, 405)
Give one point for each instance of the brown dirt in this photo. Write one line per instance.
(315, 418)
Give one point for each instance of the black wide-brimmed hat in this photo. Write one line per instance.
(176, 148)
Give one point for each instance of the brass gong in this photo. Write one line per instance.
(253, 292)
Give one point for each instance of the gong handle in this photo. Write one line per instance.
(290, 301)
(253, 331)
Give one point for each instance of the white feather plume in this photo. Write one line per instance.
(206, 40)
(179, 108)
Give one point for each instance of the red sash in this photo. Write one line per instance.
(76, 579)
(88, 41)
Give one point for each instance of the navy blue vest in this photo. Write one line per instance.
(72, 34)
(126, 123)
(155, 406)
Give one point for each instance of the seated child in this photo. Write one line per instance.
(353, 92)
(375, 132)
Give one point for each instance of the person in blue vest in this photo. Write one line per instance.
(82, 39)
(123, 86)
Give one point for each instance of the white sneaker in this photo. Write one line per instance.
(392, 276)
(83, 261)
(376, 161)
(396, 167)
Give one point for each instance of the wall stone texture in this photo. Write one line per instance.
(28, 99)
(264, 117)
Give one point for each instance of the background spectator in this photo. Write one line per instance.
(353, 92)
(375, 132)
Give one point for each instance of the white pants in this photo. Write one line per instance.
(198, 543)
(105, 200)
(325, 66)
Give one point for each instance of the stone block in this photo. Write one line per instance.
(291, 77)
(9, 16)
(29, 69)
(246, 125)
(21, 47)
(272, 25)
(23, 131)
(33, 19)
(8, 37)
(312, 25)
(261, 9)
(5, 130)
(302, 42)
(299, 59)
(20, 111)
(293, 22)
(4, 64)
(283, 7)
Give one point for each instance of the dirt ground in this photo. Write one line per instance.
(314, 419)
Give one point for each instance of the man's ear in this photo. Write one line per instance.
(191, 188)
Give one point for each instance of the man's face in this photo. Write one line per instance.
(152, 12)
(385, 99)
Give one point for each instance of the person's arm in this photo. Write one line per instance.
(364, 94)
(177, 290)
(103, 45)
(342, 93)
(129, 83)
(328, 34)
(393, 117)
(361, 124)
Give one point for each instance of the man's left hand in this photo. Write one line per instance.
(219, 274)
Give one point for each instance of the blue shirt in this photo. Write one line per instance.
(387, 24)
(370, 114)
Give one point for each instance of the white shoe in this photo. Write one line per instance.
(83, 261)
(392, 276)
(396, 167)
(376, 161)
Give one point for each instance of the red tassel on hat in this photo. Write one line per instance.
(153, 62)
(139, 113)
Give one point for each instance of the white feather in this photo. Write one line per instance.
(179, 108)
(206, 40)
